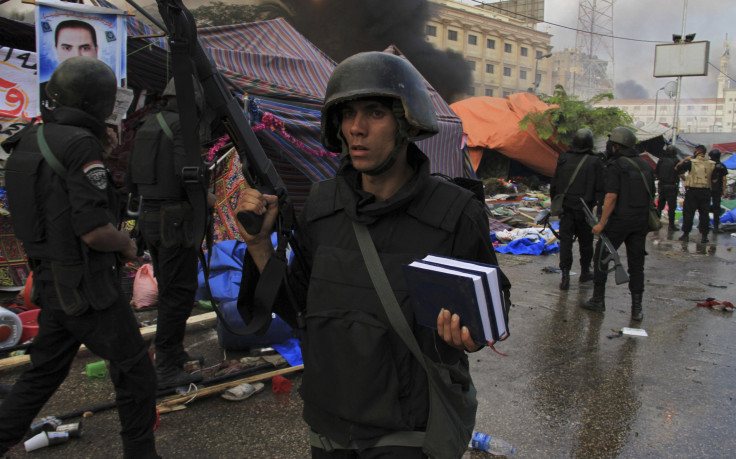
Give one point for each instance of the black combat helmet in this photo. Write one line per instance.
(582, 141)
(377, 74)
(85, 83)
(715, 154)
(623, 136)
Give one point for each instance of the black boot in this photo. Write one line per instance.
(598, 302)
(636, 312)
(586, 275)
(685, 237)
(174, 376)
(704, 238)
(565, 282)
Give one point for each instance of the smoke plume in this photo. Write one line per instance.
(630, 89)
(341, 28)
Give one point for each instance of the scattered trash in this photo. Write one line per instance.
(97, 369)
(716, 286)
(280, 384)
(717, 305)
(616, 334)
(634, 331)
(45, 439)
(242, 391)
(551, 269)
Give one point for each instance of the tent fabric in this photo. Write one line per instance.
(493, 123)
(650, 131)
(269, 58)
(725, 147)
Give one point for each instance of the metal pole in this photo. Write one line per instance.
(676, 124)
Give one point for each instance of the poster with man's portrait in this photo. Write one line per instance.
(65, 30)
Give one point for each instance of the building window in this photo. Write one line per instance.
(490, 44)
(431, 30)
(507, 47)
(489, 68)
(522, 74)
(472, 39)
(471, 91)
(539, 54)
(538, 78)
(506, 93)
(507, 71)
(524, 51)
(452, 35)
(489, 92)
(471, 65)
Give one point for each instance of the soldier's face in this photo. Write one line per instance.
(75, 41)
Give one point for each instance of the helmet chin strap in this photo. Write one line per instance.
(401, 141)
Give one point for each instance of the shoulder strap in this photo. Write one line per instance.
(575, 174)
(48, 155)
(164, 126)
(642, 174)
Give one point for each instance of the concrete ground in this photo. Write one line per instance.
(569, 385)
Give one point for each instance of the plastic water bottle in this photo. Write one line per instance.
(493, 445)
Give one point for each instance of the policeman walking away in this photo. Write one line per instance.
(579, 174)
(669, 183)
(697, 192)
(629, 182)
(63, 214)
(157, 176)
(718, 187)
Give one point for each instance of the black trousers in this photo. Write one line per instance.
(175, 268)
(696, 199)
(668, 196)
(572, 223)
(715, 198)
(112, 334)
(385, 452)
(634, 236)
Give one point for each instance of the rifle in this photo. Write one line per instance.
(621, 276)
(542, 218)
(190, 60)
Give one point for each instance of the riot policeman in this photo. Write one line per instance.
(629, 180)
(157, 175)
(61, 201)
(579, 173)
(669, 182)
(718, 187)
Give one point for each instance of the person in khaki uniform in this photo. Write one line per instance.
(697, 194)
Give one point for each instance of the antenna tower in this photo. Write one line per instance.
(593, 49)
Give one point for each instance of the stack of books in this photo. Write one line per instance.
(471, 290)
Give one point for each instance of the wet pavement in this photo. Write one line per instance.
(570, 386)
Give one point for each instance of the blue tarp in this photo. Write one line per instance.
(525, 246)
(730, 162)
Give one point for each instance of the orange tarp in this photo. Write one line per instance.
(493, 123)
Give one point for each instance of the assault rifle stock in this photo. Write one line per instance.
(621, 276)
(188, 53)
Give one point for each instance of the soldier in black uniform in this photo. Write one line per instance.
(718, 187)
(587, 183)
(669, 182)
(62, 212)
(624, 218)
(166, 223)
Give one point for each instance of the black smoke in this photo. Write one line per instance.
(341, 28)
(630, 89)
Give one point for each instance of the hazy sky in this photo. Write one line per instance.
(710, 20)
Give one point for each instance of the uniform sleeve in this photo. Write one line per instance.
(613, 178)
(87, 183)
(684, 167)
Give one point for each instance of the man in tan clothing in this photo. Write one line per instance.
(697, 194)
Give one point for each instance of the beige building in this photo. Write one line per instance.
(505, 55)
(696, 115)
